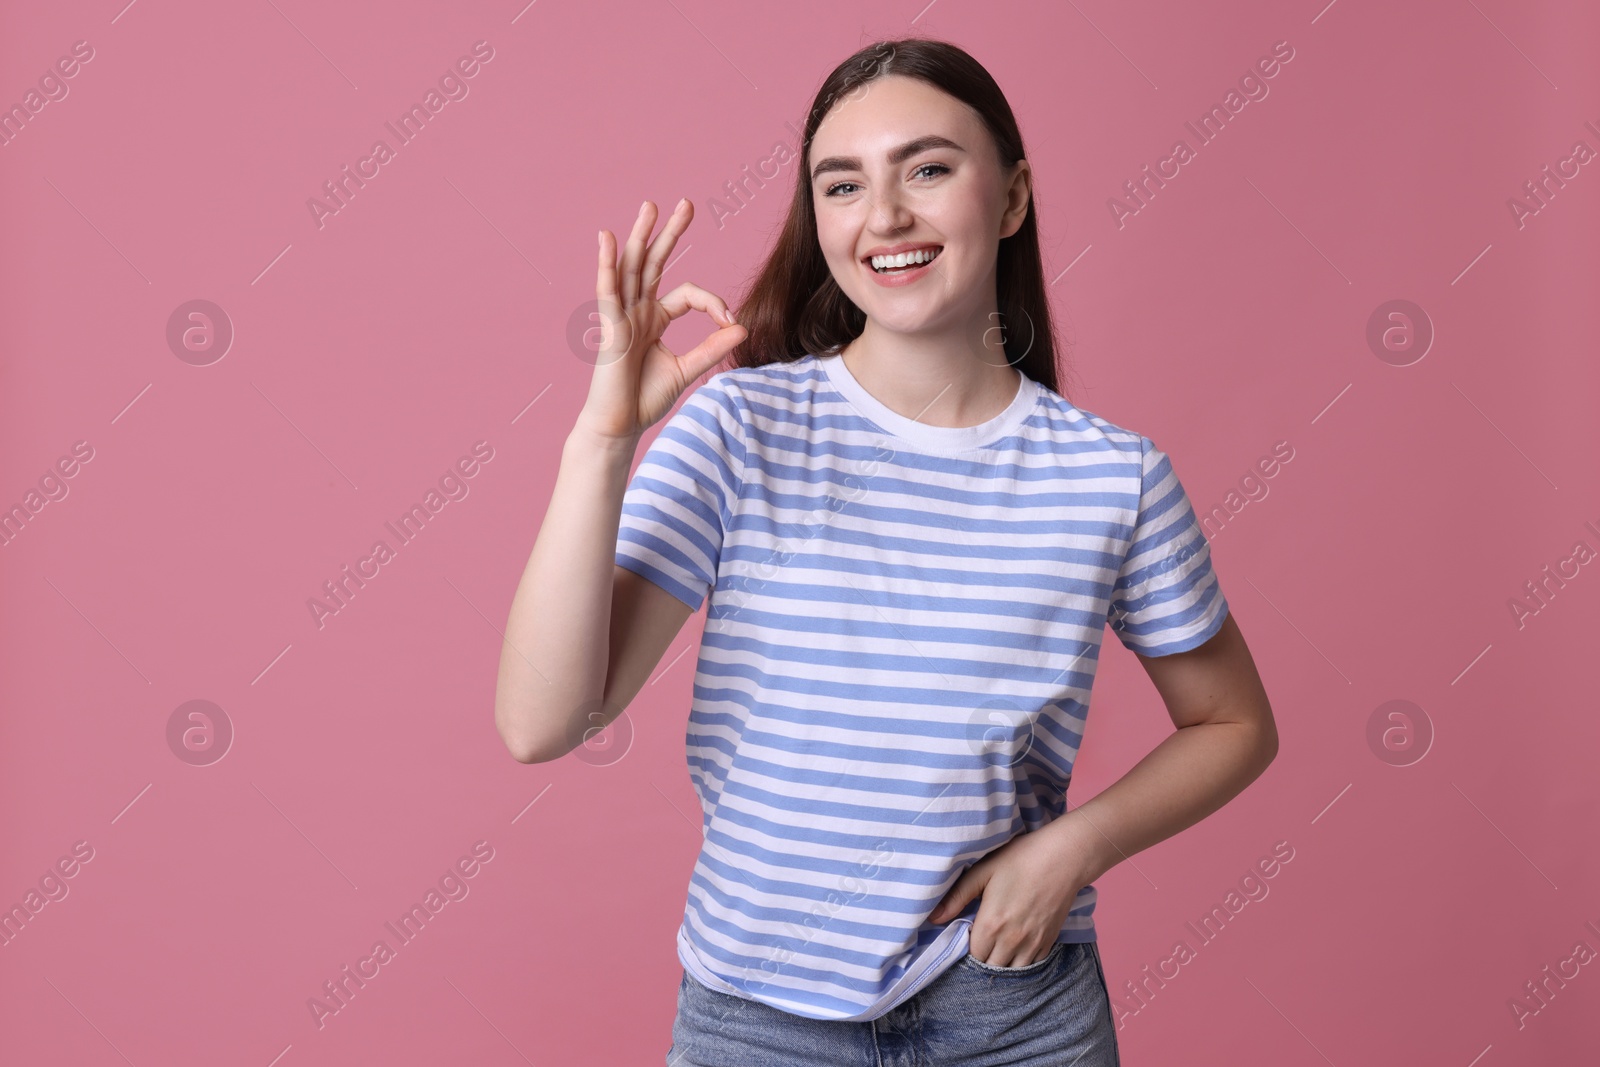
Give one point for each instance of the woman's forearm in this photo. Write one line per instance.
(1189, 775)
(555, 655)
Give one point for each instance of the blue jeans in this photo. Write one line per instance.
(1055, 1011)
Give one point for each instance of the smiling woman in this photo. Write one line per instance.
(919, 152)
(909, 545)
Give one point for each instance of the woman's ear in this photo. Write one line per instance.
(1018, 196)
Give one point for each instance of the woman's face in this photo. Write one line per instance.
(900, 165)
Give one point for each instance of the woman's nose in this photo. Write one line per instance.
(891, 213)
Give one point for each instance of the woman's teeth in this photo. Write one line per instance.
(890, 264)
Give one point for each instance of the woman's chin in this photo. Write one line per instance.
(901, 319)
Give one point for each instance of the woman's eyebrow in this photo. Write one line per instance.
(898, 155)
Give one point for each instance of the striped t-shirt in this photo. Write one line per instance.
(902, 633)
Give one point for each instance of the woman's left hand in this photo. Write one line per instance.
(1029, 884)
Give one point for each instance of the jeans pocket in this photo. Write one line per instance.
(1028, 968)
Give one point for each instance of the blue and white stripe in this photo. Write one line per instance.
(903, 627)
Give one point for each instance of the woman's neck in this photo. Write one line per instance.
(940, 381)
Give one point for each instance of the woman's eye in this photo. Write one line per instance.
(937, 168)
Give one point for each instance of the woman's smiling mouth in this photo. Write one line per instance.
(905, 261)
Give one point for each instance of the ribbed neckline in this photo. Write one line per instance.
(943, 439)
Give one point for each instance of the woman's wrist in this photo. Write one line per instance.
(1085, 851)
(589, 442)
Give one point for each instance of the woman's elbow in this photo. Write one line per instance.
(524, 745)
(1267, 742)
(531, 752)
(523, 753)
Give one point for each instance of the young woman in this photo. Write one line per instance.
(910, 544)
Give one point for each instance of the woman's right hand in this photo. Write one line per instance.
(637, 379)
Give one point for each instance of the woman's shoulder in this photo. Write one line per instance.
(774, 388)
(744, 399)
(787, 372)
(1072, 424)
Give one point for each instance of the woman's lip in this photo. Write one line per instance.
(904, 277)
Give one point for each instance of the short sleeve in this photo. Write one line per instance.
(681, 497)
(1166, 597)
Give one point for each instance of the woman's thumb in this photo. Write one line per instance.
(969, 885)
(713, 350)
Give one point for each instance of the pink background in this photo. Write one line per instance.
(371, 353)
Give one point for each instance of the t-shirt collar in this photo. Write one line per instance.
(933, 438)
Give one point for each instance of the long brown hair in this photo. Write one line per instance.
(794, 306)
